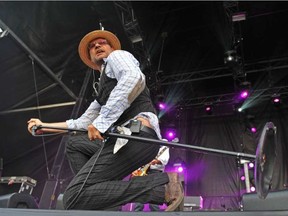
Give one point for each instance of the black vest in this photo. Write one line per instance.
(142, 103)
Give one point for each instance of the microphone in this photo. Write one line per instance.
(34, 129)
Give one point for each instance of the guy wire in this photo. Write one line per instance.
(39, 114)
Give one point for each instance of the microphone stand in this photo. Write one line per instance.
(153, 141)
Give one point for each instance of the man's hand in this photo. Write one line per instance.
(34, 122)
(155, 161)
(93, 133)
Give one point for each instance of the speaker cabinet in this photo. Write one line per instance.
(18, 200)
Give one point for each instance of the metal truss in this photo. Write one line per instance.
(133, 31)
(231, 98)
(213, 73)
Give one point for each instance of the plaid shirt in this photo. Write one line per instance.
(122, 66)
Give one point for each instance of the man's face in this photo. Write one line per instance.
(99, 49)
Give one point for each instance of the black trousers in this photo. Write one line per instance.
(105, 188)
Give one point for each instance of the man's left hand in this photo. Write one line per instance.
(94, 133)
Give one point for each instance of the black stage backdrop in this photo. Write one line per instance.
(217, 177)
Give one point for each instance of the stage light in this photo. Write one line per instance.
(240, 16)
(178, 167)
(252, 189)
(160, 103)
(136, 38)
(162, 106)
(251, 165)
(242, 178)
(208, 109)
(170, 134)
(244, 90)
(253, 129)
(244, 94)
(276, 99)
(231, 58)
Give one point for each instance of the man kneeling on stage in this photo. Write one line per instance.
(122, 100)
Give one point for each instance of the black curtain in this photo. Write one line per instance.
(216, 177)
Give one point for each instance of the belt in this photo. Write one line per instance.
(143, 129)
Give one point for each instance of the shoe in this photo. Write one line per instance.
(174, 193)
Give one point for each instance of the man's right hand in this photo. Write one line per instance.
(94, 133)
(34, 122)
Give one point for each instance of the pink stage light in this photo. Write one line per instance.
(244, 94)
(252, 189)
(162, 106)
(253, 130)
(170, 135)
(180, 169)
(251, 165)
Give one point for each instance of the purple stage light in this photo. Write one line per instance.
(252, 189)
(170, 135)
(244, 94)
(253, 130)
(242, 178)
(162, 106)
(208, 108)
(276, 100)
(251, 165)
(180, 169)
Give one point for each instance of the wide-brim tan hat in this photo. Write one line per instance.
(83, 46)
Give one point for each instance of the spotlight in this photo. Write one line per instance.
(178, 167)
(276, 99)
(244, 89)
(170, 134)
(231, 58)
(237, 107)
(136, 38)
(160, 102)
(162, 106)
(253, 129)
(244, 94)
(251, 165)
(209, 109)
(242, 178)
(252, 189)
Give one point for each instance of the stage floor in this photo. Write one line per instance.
(41, 212)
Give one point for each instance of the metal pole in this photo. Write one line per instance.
(159, 142)
(34, 56)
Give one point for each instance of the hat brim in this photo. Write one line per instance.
(83, 45)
